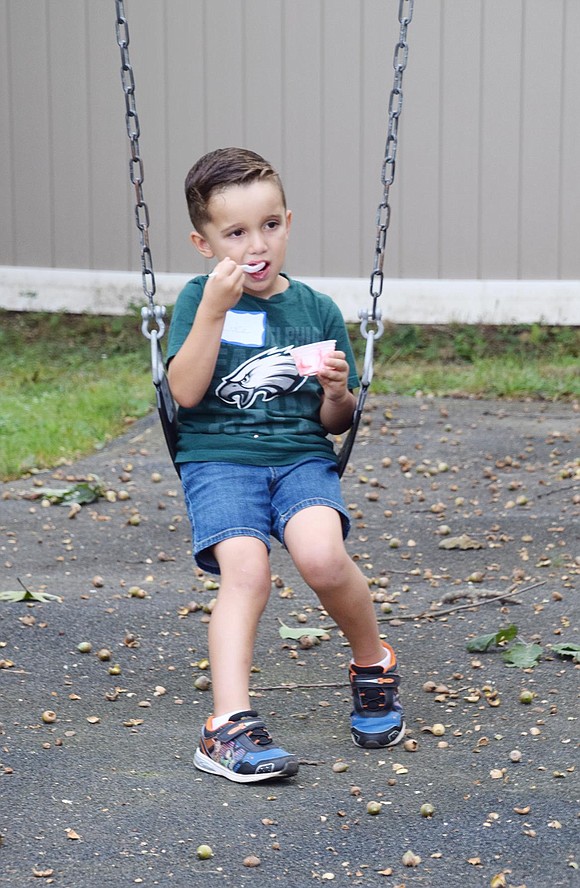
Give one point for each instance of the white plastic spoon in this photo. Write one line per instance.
(251, 269)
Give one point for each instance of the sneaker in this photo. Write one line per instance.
(377, 719)
(243, 751)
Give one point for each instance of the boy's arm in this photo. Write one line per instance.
(338, 403)
(191, 370)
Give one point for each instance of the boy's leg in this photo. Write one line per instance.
(228, 506)
(313, 537)
(243, 594)
(238, 746)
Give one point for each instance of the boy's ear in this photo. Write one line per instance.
(201, 245)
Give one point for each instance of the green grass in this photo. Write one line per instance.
(70, 383)
(524, 361)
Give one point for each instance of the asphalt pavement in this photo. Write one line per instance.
(457, 505)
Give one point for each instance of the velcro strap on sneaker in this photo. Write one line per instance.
(234, 729)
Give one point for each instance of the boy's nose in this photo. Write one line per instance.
(258, 243)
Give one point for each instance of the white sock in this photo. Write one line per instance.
(385, 662)
(219, 720)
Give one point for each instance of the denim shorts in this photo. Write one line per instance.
(227, 500)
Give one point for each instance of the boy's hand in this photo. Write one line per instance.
(225, 286)
(338, 403)
(334, 376)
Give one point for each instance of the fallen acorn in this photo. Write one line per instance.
(84, 647)
(437, 729)
(427, 810)
(104, 654)
(48, 716)
(476, 577)
(204, 852)
(374, 808)
(409, 858)
(251, 860)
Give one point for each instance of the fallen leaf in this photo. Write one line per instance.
(463, 542)
(27, 595)
(82, 492)
(567, 649)
(72, 834)
(288, 632)
(484, 642)
(523, 656)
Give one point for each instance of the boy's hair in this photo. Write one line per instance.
(218, 170)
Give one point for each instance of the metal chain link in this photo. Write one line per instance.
(400, 57)
(151, 312)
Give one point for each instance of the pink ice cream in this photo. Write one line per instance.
(309, 359)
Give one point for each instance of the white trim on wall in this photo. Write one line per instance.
(402, 302)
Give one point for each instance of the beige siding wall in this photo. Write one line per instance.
(488, 174)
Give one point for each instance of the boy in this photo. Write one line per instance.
(256, 461)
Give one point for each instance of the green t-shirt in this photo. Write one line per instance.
(257, 409)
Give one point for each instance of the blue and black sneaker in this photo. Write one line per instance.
(377, 719)
(243, 751)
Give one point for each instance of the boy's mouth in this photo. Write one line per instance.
(261, 269)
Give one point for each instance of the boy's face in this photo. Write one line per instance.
(249, 224)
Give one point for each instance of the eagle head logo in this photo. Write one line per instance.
(267, 375)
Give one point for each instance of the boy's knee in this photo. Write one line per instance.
(323, 569)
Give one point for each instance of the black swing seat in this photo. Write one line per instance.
(166, 406)
(168, 416)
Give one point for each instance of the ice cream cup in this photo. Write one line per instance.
(309, 359)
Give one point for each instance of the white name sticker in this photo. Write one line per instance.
(245, 328)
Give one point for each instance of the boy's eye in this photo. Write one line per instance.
(272, 224)
(237, 233)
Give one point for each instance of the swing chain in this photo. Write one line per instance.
(150, 312)
(383, 218)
